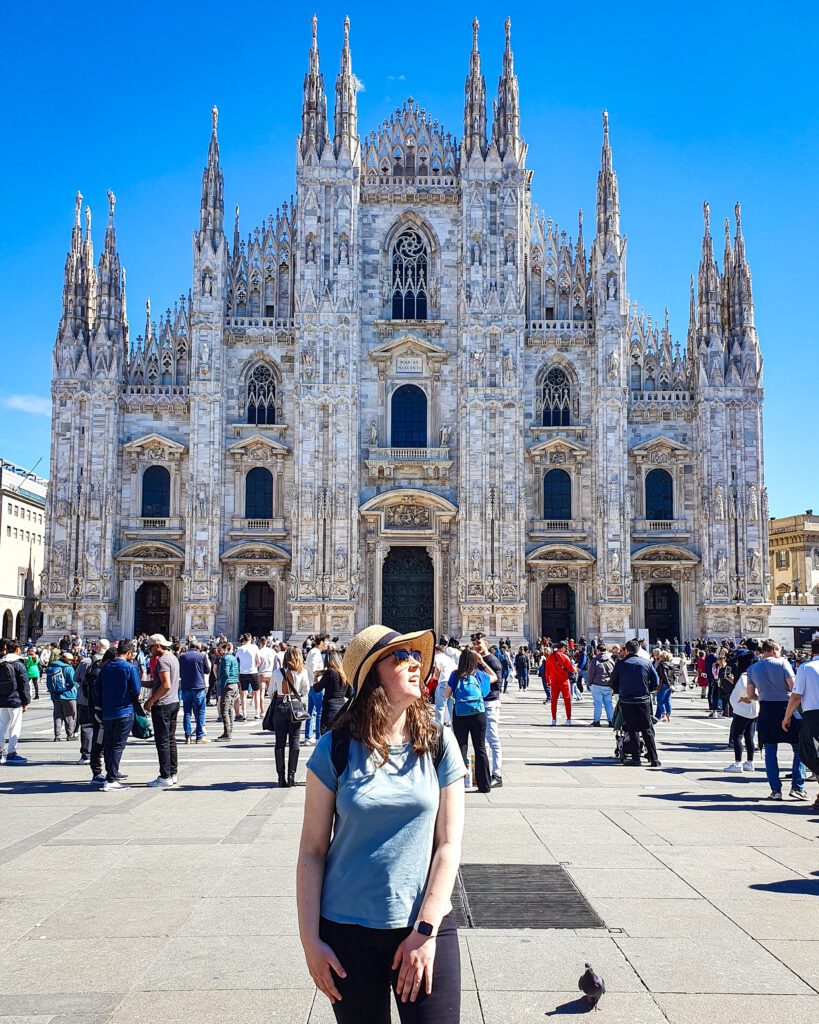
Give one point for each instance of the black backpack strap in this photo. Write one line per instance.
(438, 752)
(340, 748)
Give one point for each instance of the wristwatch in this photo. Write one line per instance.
(424, 928)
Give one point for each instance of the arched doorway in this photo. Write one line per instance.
(8, 623)
(557, 611)
(256, 608)
(408, 590)
(20, 628)
(662, 612)
(153, 609)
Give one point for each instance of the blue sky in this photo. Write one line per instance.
(706, 101)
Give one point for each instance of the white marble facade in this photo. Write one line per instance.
(407, 258)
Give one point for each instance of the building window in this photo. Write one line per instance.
(782, 560)
(409, 417)
(21, 584)
(557, 398)
(409, 277)
(261, 396)
(659, 496)
(156, 493)
(259, 494)
(8, 531)
(557, 495)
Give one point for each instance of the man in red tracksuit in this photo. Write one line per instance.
(559, 669)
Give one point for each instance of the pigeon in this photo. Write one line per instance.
(592, 986)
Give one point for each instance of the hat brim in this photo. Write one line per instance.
(423, 641)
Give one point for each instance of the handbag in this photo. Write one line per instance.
(141, 729)
(296, 711)
(267, 721)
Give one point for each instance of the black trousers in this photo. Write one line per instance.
(86, 722)
(366, 955)
(743, 729)
(285, 731)
(163, 717)
(117, 731)
(637, 720)
(474, 726)
(96, 747)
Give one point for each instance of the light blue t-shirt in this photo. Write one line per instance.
(770, 676)
(379, 857)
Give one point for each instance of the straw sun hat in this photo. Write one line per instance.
(374, 642)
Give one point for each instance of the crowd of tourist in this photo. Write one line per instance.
(102, 693)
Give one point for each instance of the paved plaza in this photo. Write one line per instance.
(148, 905)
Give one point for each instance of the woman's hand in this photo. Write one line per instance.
(413, 959)
(320, 959)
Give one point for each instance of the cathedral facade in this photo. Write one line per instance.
(406, 397)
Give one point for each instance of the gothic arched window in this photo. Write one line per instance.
(409, 277)
(259, 494)
(409, 418)
(261, 396)
(156, 493)
(557, 398)
(557, 495)
(659, 496)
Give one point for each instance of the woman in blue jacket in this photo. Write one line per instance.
(62, 687)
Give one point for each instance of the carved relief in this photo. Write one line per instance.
(407, 515)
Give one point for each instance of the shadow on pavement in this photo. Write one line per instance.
(792, 886)
(579, 1005)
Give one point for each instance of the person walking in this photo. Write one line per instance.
(32, 666)
(374, 905)
(291, 681)
(93, 691)
(227, 688)
(601, 667)
(558, 670)
(247, 654)
(267, 662)
(15, 698)
(336, 690)
(522, 668)
(770, 681)
(194, 669)
(119, 684)
(806, 693)
(443, 667)
(163, 705)
(665, 675)
(634, 680)
(493, 704)
(743, 726)
(85, 711)
(314, 664)
(62, 686)
(469, 686)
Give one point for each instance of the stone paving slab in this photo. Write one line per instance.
(146, 906)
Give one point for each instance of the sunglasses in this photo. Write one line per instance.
(402, 656)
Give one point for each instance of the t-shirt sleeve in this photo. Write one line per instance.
(321, 762)
(452, 768)
(786, 665)
(799, 685)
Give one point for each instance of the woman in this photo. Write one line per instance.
(333, 683)
(288, 681)
(702, 675)
(227, 687)
(374, 901)
(665, 672)
(267, 662)
(743, 726)
(469, 685)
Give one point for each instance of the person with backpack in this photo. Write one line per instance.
(381, 842)
(62, 686)
(634, 680)
(84, 710)
(15, 697)
(120, 687)
(601, 667)
(469, 686)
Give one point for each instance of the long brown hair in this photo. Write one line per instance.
(468, 663)
(292, 660)
(368, 719)
(336, 663)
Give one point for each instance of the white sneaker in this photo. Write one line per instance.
(82, 760)
(174, 779)
(160, 783)
(735, 767)
(749, 766)
(108, 786)
(554, 721)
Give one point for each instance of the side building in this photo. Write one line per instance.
(409, 397)
(22, 544)
(794, 578)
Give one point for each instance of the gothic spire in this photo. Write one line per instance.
(109, 277)
(212, 211)
(708, 281)
(742, 290)
(475, 101)
(506, 126)
(314, 132)
(608, 199)
(345, 117)
(74, 318)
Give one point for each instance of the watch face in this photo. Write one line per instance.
(424, 928)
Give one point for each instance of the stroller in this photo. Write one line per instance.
(622, 743)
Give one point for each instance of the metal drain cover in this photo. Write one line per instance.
(520, 896)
